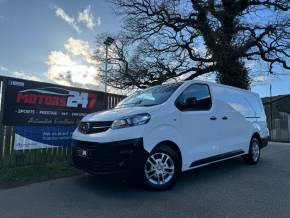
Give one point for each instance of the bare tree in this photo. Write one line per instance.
(119, 74)
(139, 65)
(189, 38)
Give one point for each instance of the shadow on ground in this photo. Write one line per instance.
(188, 180)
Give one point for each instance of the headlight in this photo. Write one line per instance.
(135, 120)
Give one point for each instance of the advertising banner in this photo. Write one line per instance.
(28, 103)
(35, 137)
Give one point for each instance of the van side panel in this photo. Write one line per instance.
(241, 109)
(261, 119)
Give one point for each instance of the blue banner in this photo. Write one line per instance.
(35, 137)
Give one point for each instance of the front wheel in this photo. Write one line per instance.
(253, 156)
(162, 168)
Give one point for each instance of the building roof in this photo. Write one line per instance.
(280, 102)
(266, 100)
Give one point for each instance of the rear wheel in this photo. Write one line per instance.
(162, 168)
(253, 156)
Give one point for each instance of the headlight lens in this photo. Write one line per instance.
(135, 120)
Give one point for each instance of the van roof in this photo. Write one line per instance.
(221, 85)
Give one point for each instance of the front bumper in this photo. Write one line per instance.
(109, 158)
(264, 142)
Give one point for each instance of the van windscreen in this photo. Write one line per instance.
(148, 97)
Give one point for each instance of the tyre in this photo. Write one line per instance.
(161, 169)
(253, 156)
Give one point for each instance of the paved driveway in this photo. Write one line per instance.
(225, 189)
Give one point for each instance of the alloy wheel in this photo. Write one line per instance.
(255, 151)
(159, 168)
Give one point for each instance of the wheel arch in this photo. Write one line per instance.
(173, 146)
(257, 136)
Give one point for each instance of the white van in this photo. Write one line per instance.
(164, 130)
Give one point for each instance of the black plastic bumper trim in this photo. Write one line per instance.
(264, 142)
(116, 157)
(216, 158)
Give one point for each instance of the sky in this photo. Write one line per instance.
(43, 40)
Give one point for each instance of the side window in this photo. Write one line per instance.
(196, 97)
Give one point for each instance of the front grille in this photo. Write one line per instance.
(94, 127)
(106, 157)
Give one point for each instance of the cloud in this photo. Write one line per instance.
(75, 75)
(22, 75)
(78, 47)
(262, 78)
(2, 68)
(99, 21)
(87, 18)
(59, 58)
(74, 67)
(71, 74)
(68, 19)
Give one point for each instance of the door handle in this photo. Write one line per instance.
(213, 118)
(225, 118)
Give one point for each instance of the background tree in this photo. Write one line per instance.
(138, 65)
(185, 39)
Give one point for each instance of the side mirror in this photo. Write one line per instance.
(188, 103)
(191, 102)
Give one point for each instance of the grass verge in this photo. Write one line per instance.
(11, 177)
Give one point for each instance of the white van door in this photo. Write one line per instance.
(234, 129)
(199, 123)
